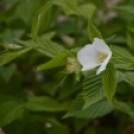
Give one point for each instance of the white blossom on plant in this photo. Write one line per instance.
(94, 55)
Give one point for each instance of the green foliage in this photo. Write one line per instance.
(40, 104)
(87, 10)
(70, 88)
(96, 110)
(47, 47)
(126, 8)
(110, 38)
(129, 78)
(58, 82)
(11, 46)
(92, 89)
(9, 56)
(9, 112)
(130, 41)
(69, 6)
(125, 107)
(123, 59)
(50, 48)
(44, 45)
(93, 32)
(57, 61)
(120, 76)
(43, 15)
(109, 81)
(7, 72)
(47, 34)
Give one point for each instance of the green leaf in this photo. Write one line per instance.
(110, 38)
(47, 36)
(57, 61)
(109, 81)
(80, 124)
(93, 32)
(22, 12)
(45, 45)
(11, 46)
(69, 6)
(120, 76)
(7, 72)
(69, 88)
(130, 28)
(42, 18)
(87, 10)
(9, 56)
(9, 112)
(130, 41)
(96, 110)
(129, 78)
(35, 5)
(127, 108)
(123, 59)
(44, 104)
(50, 48)
(59, 80)
(126, 8)
(92, 89)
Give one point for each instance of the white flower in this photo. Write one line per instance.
(94, 55)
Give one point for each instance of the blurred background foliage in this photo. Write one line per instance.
(34, 102)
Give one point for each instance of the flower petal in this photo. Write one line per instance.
(104, 64)
(101, 46)
(87, 57)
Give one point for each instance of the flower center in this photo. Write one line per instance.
(101, 57)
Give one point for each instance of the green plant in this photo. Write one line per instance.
(43, 89)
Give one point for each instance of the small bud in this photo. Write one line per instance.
(73, 65)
